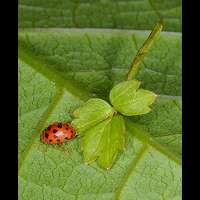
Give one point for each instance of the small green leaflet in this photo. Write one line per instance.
(103, 130)
(129, 100)
(112, 142)
(91, 113)
(103, 141)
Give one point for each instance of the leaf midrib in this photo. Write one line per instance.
(96, 30)
(62, 83)
(41, 123)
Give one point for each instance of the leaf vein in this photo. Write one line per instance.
(41, 123)
(130, 169)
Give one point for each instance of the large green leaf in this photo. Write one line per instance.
(129, 14)
(60, 70)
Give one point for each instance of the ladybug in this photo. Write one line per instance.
(57, 132)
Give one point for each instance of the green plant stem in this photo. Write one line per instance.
(133, 69)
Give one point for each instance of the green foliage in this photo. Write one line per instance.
(129, 100)
(113, 141)
(148, 159)
(103, 141)
(91, 113)
(59, 69)
(95, 61)
(121, 14)
(103, 133)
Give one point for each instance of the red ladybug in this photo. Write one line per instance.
(57, 132)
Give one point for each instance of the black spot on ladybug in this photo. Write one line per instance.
(54, 130)
(67, 128)
(46, 135)
(59, 125)
(58, 140)
(49, 128)
(50, 140)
